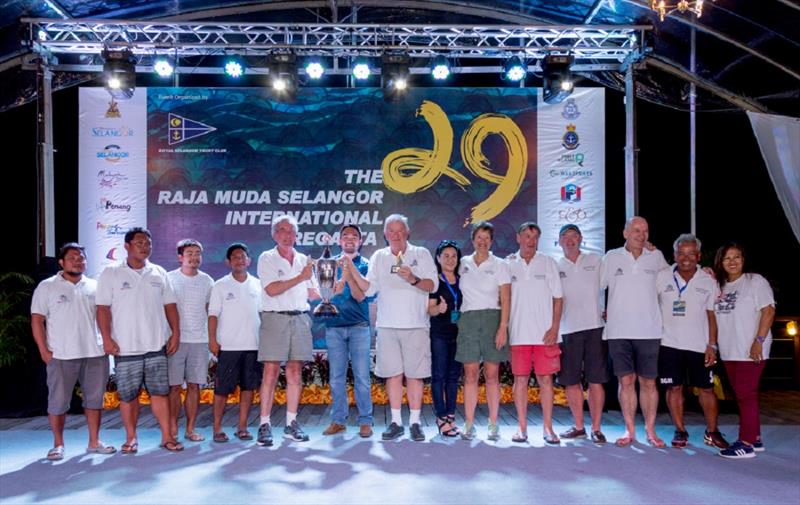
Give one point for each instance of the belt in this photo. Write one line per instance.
(287, 312)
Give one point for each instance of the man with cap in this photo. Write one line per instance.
(584, 353)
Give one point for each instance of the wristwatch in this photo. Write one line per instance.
(416, 281)
(714, 346)
(761, 339)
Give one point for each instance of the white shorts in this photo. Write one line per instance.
(403, 351)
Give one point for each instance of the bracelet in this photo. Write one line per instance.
(761, 339)
(714, 346)
(416, 281)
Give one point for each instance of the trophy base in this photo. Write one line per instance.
(324, 310)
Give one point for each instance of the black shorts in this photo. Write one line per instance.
(237, 368)
(677, 367)
(637, 356)
(584, 354)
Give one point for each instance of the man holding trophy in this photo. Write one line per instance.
(402, 275)
(348, 335)
(286, 286)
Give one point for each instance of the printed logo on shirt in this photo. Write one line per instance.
(590, 268)
(649, 271)
(126, 285)
(562, 275)
(62, 299)
(280, 273)
(414, 263)
(490, 272)
(539, 277)
(670, 288)
(619, 272)
(464, 270)
(230, 296)
(155, 283)
(726, 303)
(513, 278)
(702, 291)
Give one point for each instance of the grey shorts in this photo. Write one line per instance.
(148, 370)
(476, 332)
(639, 356)
(584, 354)
(285, 337)
(189, 364)
(63, 374)
(403, 351)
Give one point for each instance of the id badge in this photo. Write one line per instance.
(679, 308)
(395, 269)
(454, 315)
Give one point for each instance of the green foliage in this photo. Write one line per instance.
(15, 290)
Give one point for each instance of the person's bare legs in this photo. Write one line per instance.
(245, 401)
(675, 404)
(575, 401)
(648, 398)
(129, 412)
(597, 399)
(394, 388)
(57, 427)
(414, 393)
(471, 373)
(174, 409)
(294, 385)
(191, 405)
(160, 407)
(491, 374)
(708, 401)
(628, 404)
(93, 424)
(268, 379)
(546, 396)
(521, 402)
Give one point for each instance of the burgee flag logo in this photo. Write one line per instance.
(182, 129)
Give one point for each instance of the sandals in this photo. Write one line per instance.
(624, 441)
(131, 447)
(220, 437)
(520, 438)
(244, 435)
(172, 446)
(56, 453)
(193, 436)
(656, 442)
(101, 448)
(452, 431)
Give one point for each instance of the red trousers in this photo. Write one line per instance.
(744, 377)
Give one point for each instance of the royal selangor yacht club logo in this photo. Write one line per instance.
(181, 129)
(570, 140)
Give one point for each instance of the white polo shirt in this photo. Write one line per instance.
(580, 282)
(684, 308)
(69, 311)
(236, 305)
(401, 305)
(273, 267)
(533, 287)
(137, 299)
(480, 284)
(192, 293)
(633, 311)
(738, 311)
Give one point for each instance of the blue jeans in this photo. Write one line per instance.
(350, 343)
(445, 374)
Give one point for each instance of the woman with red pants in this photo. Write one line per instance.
(745, 310)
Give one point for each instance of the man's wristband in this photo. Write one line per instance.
(714, 346)
(761, 339)
(416, 281)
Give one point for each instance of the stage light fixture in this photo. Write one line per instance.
(163, 67)
(440, 68)
(514, 69)
(234, 67)
(314, 70)
(557, 76)
(361, 70)
(283, 73)
(394, 74)
(119, 72)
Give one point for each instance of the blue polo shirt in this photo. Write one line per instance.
(351, 312)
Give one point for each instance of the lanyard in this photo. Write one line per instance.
(452, 291)
(680, 289)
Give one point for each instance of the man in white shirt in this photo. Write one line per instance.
(285, 335)
(64, 329)
(233, 324)
(135, 306)
(536, 303)
(688, 351)
(633, 327)
(584, 352)
(189, 364)
(401, 275)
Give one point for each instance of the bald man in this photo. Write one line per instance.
(633, 327)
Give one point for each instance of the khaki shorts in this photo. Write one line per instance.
(476, 332)
(285, 337)
(403, 351)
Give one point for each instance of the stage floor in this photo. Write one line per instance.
(348, 469)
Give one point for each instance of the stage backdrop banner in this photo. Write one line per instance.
(222, 163)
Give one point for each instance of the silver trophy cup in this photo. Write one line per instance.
(326, 277)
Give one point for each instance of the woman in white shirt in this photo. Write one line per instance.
(745, 311)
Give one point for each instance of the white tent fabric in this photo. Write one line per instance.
(779, 140)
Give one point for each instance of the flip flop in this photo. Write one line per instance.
(172, 446)
(220, 437)
(56, 453)
(624, 441)
(130, 448)
(656, 442)
(193, 436)
(244, 435)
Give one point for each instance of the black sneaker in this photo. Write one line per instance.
(680, 440)
(574, 433)
(293, 432)
(393, 432)
(715, 439)
(598, 437)
(416, 433)
(264, 435)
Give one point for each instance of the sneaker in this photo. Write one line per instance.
(758, 446)
(416, 433)
(598, 437)
(334, 428)
(738, 450)
(574, 433)
(393, 432)
(494, 432)
(715, 439)
(681, 439)
(294, 432)
(469, 433)
(264, 435)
